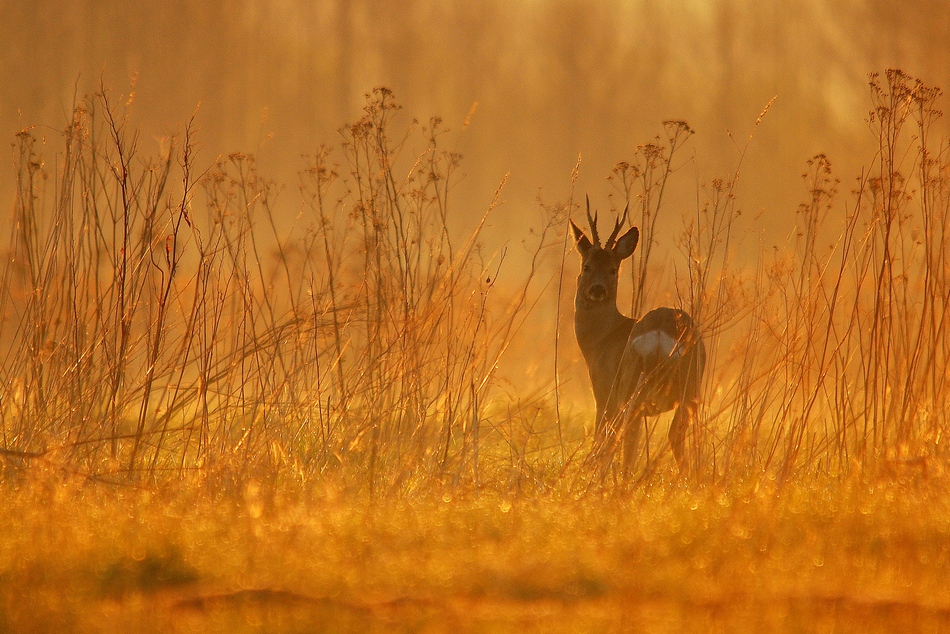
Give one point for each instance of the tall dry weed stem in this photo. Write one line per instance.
(161, 319)
(841, 357)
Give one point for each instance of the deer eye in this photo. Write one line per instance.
(586, 268)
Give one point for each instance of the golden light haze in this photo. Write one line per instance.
(553, 79)
(252, 382)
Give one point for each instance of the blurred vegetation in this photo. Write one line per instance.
(853, 557)
(551, 79)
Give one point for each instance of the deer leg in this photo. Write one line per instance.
(631, 442)
(681, 419)
(599, 424)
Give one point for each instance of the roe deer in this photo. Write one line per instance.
(640, 367)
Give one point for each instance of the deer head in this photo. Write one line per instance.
(597, 282)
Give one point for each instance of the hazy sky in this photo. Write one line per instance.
(551, 79)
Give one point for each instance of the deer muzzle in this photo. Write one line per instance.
(597, 293)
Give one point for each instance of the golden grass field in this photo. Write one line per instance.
(220, 417)
(817, 556)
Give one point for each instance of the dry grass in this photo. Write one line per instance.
(216, 418)
(847, 557)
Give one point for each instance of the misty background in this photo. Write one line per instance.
(523, 86)
(551, 79)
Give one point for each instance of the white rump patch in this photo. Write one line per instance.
(656, 344)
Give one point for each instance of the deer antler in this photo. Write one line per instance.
(593, 223)
(617, 226)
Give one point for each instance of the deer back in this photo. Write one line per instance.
(662, 364)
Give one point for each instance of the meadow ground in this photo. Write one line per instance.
(823, 556)
(222, 414)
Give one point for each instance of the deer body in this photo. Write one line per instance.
(639, 367)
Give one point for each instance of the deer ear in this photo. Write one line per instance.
(627, 243)
(583, 242)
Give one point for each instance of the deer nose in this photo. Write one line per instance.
(597, 292)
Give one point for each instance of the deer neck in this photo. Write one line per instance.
(595, 323)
